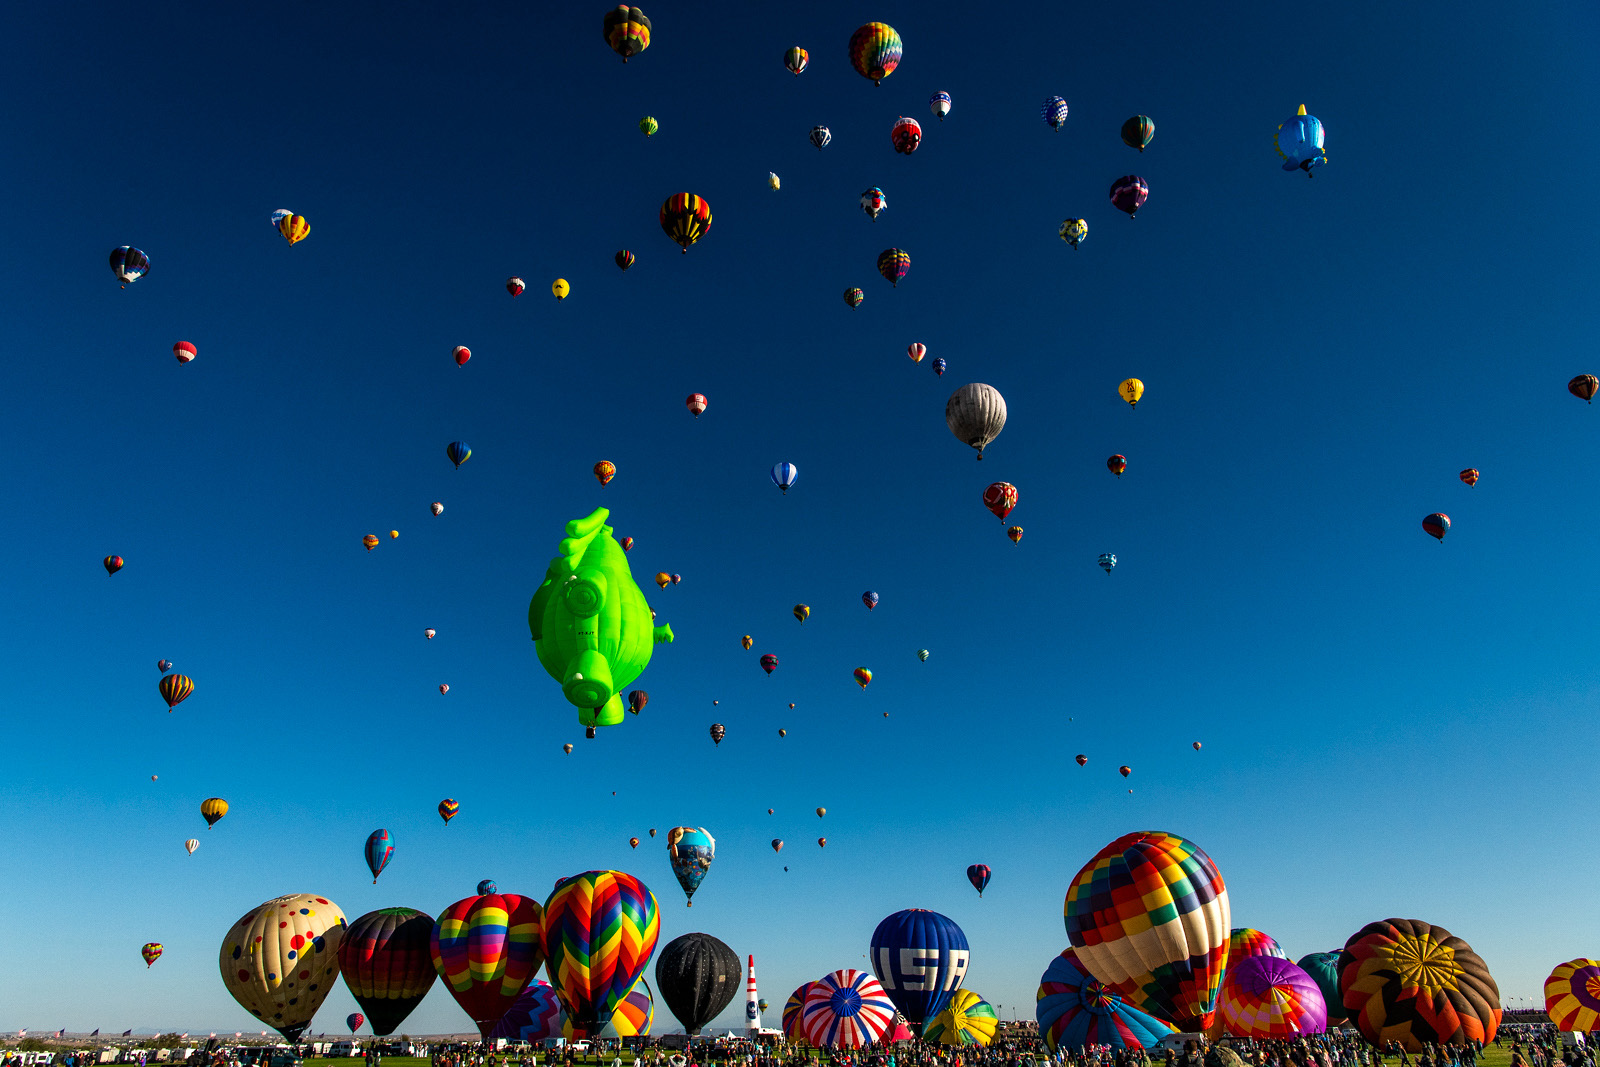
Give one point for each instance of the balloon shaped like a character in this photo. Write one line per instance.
(1409, 981)
(1299, 142)
(590, 623)
(384, 957)
(1075, 1009)
(279, 961)
(487, 949)
(600, 930)
(691, 851)
(921, 958)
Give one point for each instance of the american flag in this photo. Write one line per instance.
(22, 1033)
(61, 1031)
(127, 1033)
(96, 1032)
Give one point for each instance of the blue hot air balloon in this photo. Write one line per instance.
(784, 475)
(1053, 111)
(380, 849)
(938, 367)
(487, 888)
(921, 958)
(1299, 142)
(870, 599)
(129, 264)
(1108, 560)
(459, 452)
(690, 850)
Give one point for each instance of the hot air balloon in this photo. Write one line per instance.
(1197, 746)
(777, 845)
(921, 958)
(1323, 967)
(184, 351)
(213, 809)
(1075, 1010)
(1015, 533)
(437, 509)
(190, 845)
(488, 888)
(663, 579)
(978, 875)
(1408, 981)
(696, 403)
(535, 1016)
(796, 60)
(976, 414)
(822, 842)
(151, 952)
(371, 541)
(279, 215)
(916, 350)
(1299, 142)
(873, 202)
(1073, 231)
(627, 31)
(854, 297)
(633, 1016)
(637, 699)
(112, 564)
(515, 285)
(448, 809)
(648, 126)
(784, 475)
(1437, 525)
(567, 749)
(175, 689)
(863, 677)
(822, 812)
(1138, 132)
(773, 182)
(676, 578)
(685, 218)
(559, 289)
(1245, 942)
(939, 104)
(1128, 193)
(893, 265)
(627, 544)
(801, 613)
(443, 689)
(428, 633)
(1117, 464)
(1082, 759)
(1131, 390)
(294, 228)
(845, 1009)
(461, 353)
(1572, 996)
(870, 599)
(379, 851)
(875, 51)
(458, 452)
(487, 948)
(1148, 915)
(163, 665)
(938, 367)
(129, 264)
(923, 654)
(698, 976)
(1124, 770)
(1269, 997)
(1584, 386)
(599, 931)
(967, 1019)
(820, 136)
(385, 959)
(718, 732)
(1470, 476)
(792, 1010)
(280, 959)
(690, 850)
(354, 1021)
(905, 135)
(604, 471)
(1054, 112)
(1000, 498)
(783, 733)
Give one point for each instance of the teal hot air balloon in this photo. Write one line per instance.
(690, 850)
(1323, 967)
(379, 851)
(1299, 142)
(1138, 132)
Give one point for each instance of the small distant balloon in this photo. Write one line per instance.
(1107, 560)
(633, 842)
(567, 749)
(916, 351)
(163, 665)
(802, 612)
(1470, 476)
(863, 677)
(676, 578)
(1082, 759)
(623, 259)
(774, 182)
(461, 353)
(487, 888)
(1073, 231)
(939, 104)
(627, 544)
(443, 689)
(769, 663)
(604, 471)
(652, 831)
(1054, 112)
(184, 351)
(663, 579)
(875, 51)
(822, 842)
(854, 297)
(559, 288)
(796, 59)
(1117, 464)
(905, 135)
(1299, 141)
(1124, 770)
(777, 845)
(820, 136)
(379, 851)
(748, 642)
(784, 475)
(1015, 533)
(893, 264)
(1437, 525)
(821, 812)
(129, 264)
(1197, 746)
(1584, 386)
(212, 809)
(112, 564)
(151, 952)
(428, 633)
(648, 126)
(294, 228)
(448, 809)
(783, 733)
(718, 732)
(515, 285)
(1131, 390)
(923, 654)
(938, 367)
(458, 452)
(437, 508)
(175, 689)
(870, 599)
(1000, 498)
(371, 541)
(1138, 132)
(393, 534)
(637, 699)
(1128, 193)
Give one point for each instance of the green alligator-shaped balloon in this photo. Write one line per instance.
(591, 626)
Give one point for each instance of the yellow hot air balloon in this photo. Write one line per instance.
(1131, 390)
(213, 809)
(371, 541)
(393, 534)
(294, 228)
(282, 960)
(560, 288)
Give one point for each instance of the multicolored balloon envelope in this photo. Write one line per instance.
(536, 1016)
(150, 951)
(1323, 967)
(792, 1013)
(921, 958)
(1149, 917)
(698, 975)
(354, 1021)
(1075, 1009)
(845, 1009)
(690, 851)
(875, 50)
(1408, 981)
(967, 1020)
(384, 957)
(599, 932)
(1269, 997)
(1572, 995)
(487, 949)
(379, 851)
(978, 874)
(1243, 942)
(633, 1017)
(279, 959)
(685, 218)
(627, 31)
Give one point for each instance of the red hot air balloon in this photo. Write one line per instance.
(184, 351)
(916, 351)
(905, 135)
(1124, 770)
(461, 353)
(1437, 525)
(769, 663)
(1117, 464)
(1584, 386)
(515, 286)
(633, 842)
(1082, 759)
(1129, 193)
(113, 564)
(1000, 498)
(1470, 476)
(696, 403)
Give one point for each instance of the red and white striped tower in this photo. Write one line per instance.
(752, 1006)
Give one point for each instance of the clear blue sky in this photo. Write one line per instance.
(1391, 726)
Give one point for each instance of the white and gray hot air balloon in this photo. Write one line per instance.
(976, 414)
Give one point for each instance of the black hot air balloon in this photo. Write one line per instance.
(384, 957)
(697, 976)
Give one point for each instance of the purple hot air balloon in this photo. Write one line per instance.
(1268, 997)
(1128, 193)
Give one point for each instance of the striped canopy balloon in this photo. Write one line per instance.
(1149, 917)
(792, 1010)
(1572, 995)
(1075, 1009)
(536, 1016)
(1244, 942)
(1406, 980)
(967, 1019)
(487, 950)
(385, 957)
(846, 1009)
(600, 930)
(633, 1017)
(1269, 997)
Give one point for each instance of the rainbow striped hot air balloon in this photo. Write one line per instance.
(487, 949)
(1244, 942)
(1572, 995)
(1075, 1009)
(448, 809)
(875, 50)
(846, 1009)
(600, 930)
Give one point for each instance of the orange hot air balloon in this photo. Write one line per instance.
(1124, 770)
(1470, 476)
(1015, 533)
(605, 470)
(371, 541)
(633, 842)
(663, 579)
(863, 677)
(696, 403)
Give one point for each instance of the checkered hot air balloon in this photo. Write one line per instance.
(1269, 997)
(1054, 112)
(1572, 995)
(1076, 1009)
(488, 948)
(599, 932)
(1245, 942)
(845, 1009)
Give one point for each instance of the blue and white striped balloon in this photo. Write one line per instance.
(1054, 112)
(784, 475)
(1108, 560)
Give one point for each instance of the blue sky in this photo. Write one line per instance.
(1391, 726)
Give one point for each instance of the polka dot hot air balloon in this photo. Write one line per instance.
(151, 951)
(1269, 997)
(875, 50)
(600, 930)
(685, 218)
(1408, 981)
(1572, 995)
(487, 948)
(967, 1019)
(1075, 1010)
(793, 1008)
(1245, 942)
(384, 958)
(280, 960)
(1149, 916)
(845, 1009)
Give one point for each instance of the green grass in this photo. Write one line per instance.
(357, 1061)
